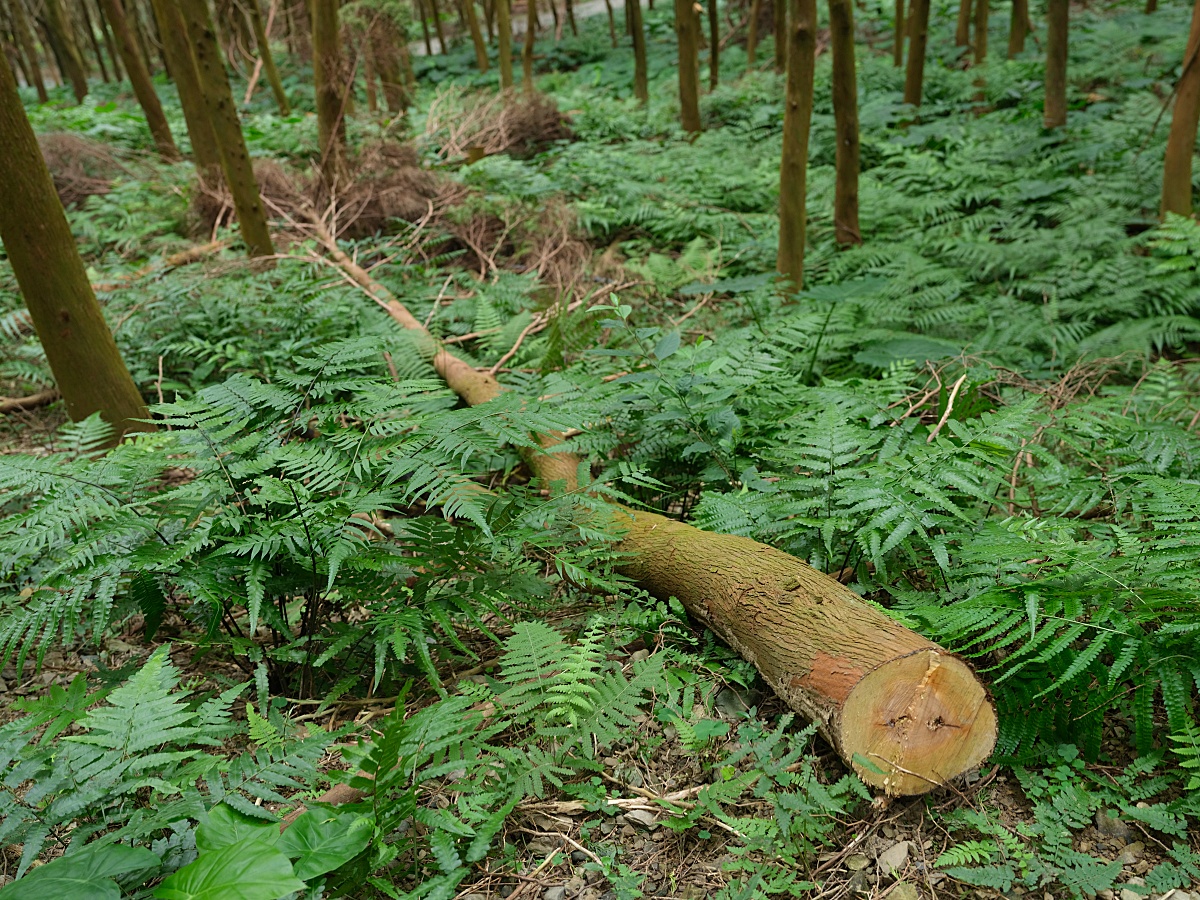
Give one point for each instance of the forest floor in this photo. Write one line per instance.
(985, 238)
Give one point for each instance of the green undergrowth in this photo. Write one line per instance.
(983, 419)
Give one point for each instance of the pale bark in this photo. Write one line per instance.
(79, 346)
(797, 120)
(1181, 143)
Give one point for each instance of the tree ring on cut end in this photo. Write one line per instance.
(923, 719)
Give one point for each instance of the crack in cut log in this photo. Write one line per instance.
(902, 711)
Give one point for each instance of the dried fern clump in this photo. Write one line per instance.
(81, 168)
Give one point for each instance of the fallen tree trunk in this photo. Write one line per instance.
(906, 714)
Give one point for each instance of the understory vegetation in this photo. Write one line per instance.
(323, 570)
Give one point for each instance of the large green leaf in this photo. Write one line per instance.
(227, 826)
(248, 870)
(82, 876)
(321, 841)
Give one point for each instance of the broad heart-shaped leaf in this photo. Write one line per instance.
(321, 841)
(248, 870)
(227, 826)
(81, 876)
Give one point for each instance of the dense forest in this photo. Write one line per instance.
(579, 450)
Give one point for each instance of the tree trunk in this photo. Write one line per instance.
(60, 27)
(554, 18)
(845, 115)
(641, 82)
(531, 25)
(569, 6)
(714, 46)
(139, 32)
(898, 35)
(139, 79)
(1055, 108)
(1151, 6)
(1181, 143)
(330, 92)
(687, 30)
(489, 15)
(110, 43)
(504, 42)
(437, 23)
(752, 32)
(962, 27)
(222, 113)
(878, 692)
(90, 30)
(53, 53)
(41, 249)
(25, 38)
(481, 57)
(268, 60)
(1017, 27)
(420, 10)
(779, 10)
(918, 33)
(612, 23)
(10, 46)
(797, 119)
(981, 31)
(182, 65)
(386, 41)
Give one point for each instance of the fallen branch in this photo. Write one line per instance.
(33, 401)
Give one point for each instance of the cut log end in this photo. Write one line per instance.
(922, 720)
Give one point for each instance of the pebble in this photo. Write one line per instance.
(638, 655)
(856, 862)
(1105, 894)
(577, 857)
(607, 827)
(627, 831)
(555, 893)
(1112, 826)
(1132, 853)
(642, 817)
(1127, 894)
(904, 891)
(893, 858)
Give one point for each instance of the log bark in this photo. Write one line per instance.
(1057, 24)
(1177, 163)
(882, 695)
(687, 30)
(139, 79)
(79, 346)
(845, 116)
(797, 120)
(231, 143)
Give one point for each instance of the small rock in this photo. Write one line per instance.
(607, 828)
(1127, 894)
(627, 831)
(1112, 826)
(730, 704)
(633, 778)
(1132, 853)
(642, 817)
(856, 862)
(889, 830)
(555, 893)
(505, 889)
(860, 883)
(904, 891)
(577, 857)
(893, 858)
(3, 686)
(575, 885)
(1105, 894)
(638, 655)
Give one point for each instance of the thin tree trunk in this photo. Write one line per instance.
(687, 30)
(90, 30)
(182, 66)
(918, 33)
(612, 23)
(641, 82)
(139, 79)
(222, 112)
(962, 27)
(1018, 27)
(531, 26)
(569, 6)
(1055, 108)
(419, 6)
(368, 59)
(10, 44)
(110, 43)
(60, 27)
(268, 60)
(845, 115)
(437, 24)
(139, 31)
(797, 119)
(1151, 6)
(504, 42)
(25, 37)
(779, 10)
(554, 18)
(981, 32)
(77, 342)
(386, 42)
(481, 57)
(752, 32)
(53, 53)
(489, 19)
(879, 693)
(1181, 143)
(330, 93)
(714, 46)
(898, 31)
